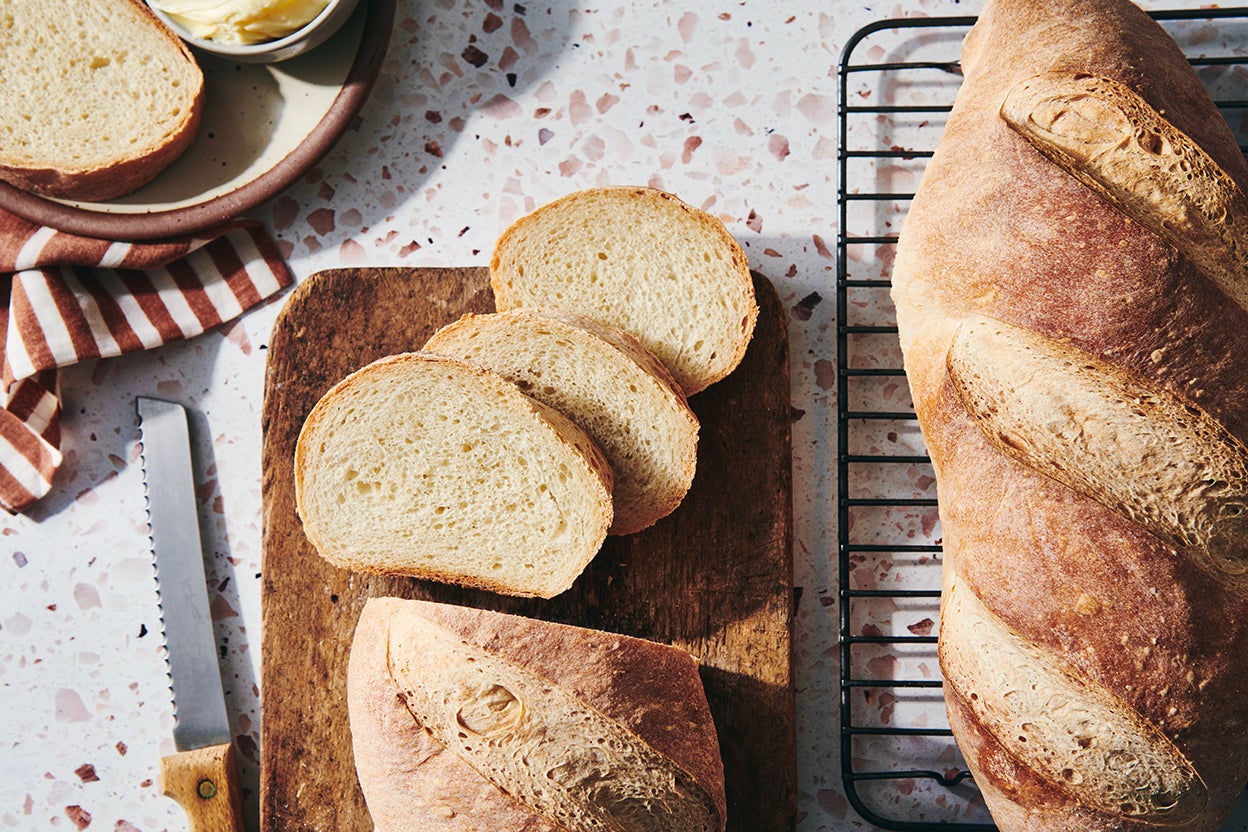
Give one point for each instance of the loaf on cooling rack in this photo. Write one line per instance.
(1070, 286)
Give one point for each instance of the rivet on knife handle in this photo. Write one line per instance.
(205, 783)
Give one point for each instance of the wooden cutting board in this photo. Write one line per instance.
(715, 577)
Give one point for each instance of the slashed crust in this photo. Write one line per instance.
(410, 781)
(998, 231)
(652, 690)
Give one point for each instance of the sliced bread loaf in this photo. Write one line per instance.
(608, 384)
(641, 260)
(465, 719)
(423, 466)
(99, 96)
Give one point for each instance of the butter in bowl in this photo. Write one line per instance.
(254, 31)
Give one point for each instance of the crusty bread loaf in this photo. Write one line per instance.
(603, 379)
(98, 97)
(1065, 287)
(464, 719)
(424, 466)
(641, 260)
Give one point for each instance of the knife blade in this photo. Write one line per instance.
(202, 776)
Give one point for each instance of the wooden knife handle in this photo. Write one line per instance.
(204, 782)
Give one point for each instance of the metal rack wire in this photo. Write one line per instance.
(900, 767)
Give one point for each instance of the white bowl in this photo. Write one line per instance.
(310, 35)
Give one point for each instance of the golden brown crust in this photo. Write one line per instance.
(1073, 734)
(110, 181)
(1024, 242)
(1082, 421)
(650, 689)
(1111, 140)
(409, 780)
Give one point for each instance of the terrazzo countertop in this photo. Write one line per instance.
(482, 112)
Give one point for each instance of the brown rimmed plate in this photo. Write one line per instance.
(263, 126)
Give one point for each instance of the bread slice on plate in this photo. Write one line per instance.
(641, 260)
(99, 97)
(464, 719)
(423, 466)
(608, 384)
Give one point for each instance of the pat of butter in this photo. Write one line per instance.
(241, 21)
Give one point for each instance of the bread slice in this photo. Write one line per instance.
(464, 719)
(99, 96)
(423, 466)
(608, 384)
(641, 260)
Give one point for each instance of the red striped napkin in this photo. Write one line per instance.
(65, 298)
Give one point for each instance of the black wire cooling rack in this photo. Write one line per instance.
(899, 764)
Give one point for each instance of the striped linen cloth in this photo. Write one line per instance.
(65, 298)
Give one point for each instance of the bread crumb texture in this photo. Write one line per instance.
(88, 82)
(608, 384)
(641, 260)
(420, 465)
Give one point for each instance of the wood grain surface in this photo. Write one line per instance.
(715, 577)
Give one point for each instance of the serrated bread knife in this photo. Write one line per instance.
(202, 776)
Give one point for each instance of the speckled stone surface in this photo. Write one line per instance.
(483, 111)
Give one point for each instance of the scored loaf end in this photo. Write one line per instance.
(610, 724)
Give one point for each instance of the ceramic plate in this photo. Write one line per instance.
(263, 126)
